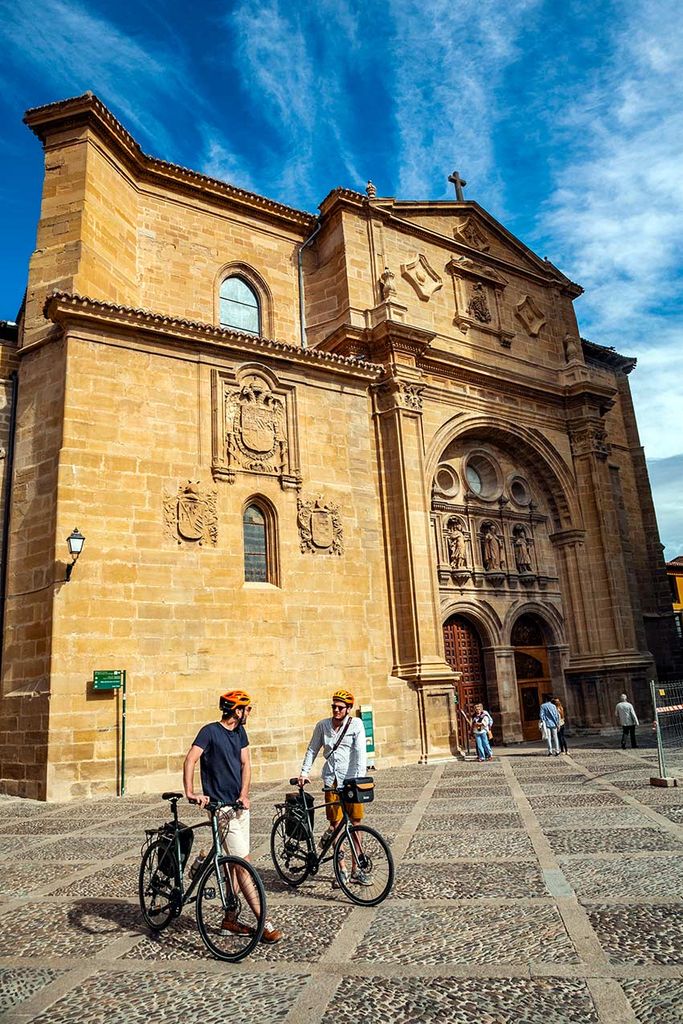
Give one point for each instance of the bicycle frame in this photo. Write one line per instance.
(215, 852)
(327, 853)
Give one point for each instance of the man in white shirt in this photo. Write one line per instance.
(628, 720)
(342, 741)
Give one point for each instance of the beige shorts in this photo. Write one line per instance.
(233, 828)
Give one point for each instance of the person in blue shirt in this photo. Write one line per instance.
(550, 721)
(222, 749)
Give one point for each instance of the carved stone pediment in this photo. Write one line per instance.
(254, 426)
(530, 316)
(320, 526)
(469, 232)
(190, 514)
(422, 277)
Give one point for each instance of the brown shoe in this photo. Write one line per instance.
(231, 924)
(271, 934)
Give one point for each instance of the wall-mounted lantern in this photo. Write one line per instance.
(75, 542)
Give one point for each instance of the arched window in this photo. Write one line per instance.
(255, 546)
(239, 306)
(260, 543)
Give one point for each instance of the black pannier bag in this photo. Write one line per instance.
(294, 811)
(360, 790)
(167, 851)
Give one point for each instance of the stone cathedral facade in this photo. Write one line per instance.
(368, 449)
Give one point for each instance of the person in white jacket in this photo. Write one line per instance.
(628, 720)
(342, 741)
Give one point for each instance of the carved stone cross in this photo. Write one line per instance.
(459, 183)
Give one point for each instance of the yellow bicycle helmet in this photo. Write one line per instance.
(344, 696)
(234, 699)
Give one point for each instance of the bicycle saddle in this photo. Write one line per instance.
(171, 796)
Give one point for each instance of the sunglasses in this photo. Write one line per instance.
(339, 707)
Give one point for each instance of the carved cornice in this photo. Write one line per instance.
(88, 110)
(400, 337)
(398, 394)
(468, 267)
(64, 308)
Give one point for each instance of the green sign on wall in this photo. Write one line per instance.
(368, 722)
(107, 679)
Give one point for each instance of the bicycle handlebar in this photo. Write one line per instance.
(295, 782)
(216, 805)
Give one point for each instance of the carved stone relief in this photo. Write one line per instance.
(589, 439)
(399, 394)
(190, 514)
(477, 291)
(530, 316)
(320, 527)
(470, 233)
(387, 284)
(522, 544)
(254, 426)
(491, 548)
(422, 277)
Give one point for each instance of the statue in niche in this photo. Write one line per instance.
(478, 305)
(522, 547)
(490, 547)
(457, 555)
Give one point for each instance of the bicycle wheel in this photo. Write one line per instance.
(159, 897)
(291, 848)
(231, 908)
(363, 865)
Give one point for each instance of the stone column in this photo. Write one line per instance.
(499, 663)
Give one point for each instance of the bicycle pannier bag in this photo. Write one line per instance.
(294, 811)
(167, 851)
(360, 790)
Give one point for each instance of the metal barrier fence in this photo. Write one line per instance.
(667, 701)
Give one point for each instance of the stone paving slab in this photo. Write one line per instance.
(309, 930)
(470, 843)
(82, 928)
(626, 876)
(503, 935)
(81, 848)
(621, 840)
(439, 805)
(655, 1002)
(20, 983)
(640, 934)
(586, 817)
(118, 880)
(464, 1001)
(111, 996)
(22, 877)
(435, 822)
(468, 881)
(581, 799)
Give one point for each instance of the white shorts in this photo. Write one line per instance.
(233, 827)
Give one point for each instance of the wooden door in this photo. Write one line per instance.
(463, 653)
(531, 666)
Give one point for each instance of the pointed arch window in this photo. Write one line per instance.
(240, 307)
(260, 544)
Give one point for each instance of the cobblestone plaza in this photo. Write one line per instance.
(528, 891)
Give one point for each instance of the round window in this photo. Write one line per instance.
(446, 481)
(483, 477)
(519, 490)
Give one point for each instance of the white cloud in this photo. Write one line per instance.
(666, 478)
(220, 162)
(447, 64)
(615, 220)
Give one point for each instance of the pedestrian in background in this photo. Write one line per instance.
(560, 729)
(627, 719)
(550, 719)
(482, 723)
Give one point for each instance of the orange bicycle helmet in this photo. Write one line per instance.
(344, 696)
(234, 699)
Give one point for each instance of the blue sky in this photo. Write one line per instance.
(566, 117)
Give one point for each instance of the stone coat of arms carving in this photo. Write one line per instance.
(190, 514)
(254, 426)
(320, 527)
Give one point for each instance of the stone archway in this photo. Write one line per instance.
(532, 670)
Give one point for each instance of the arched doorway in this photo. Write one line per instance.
(464, 654)
(531, 666)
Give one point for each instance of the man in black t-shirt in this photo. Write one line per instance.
(222, 749)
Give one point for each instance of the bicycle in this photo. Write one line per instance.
(223, 887)
(293, 849)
